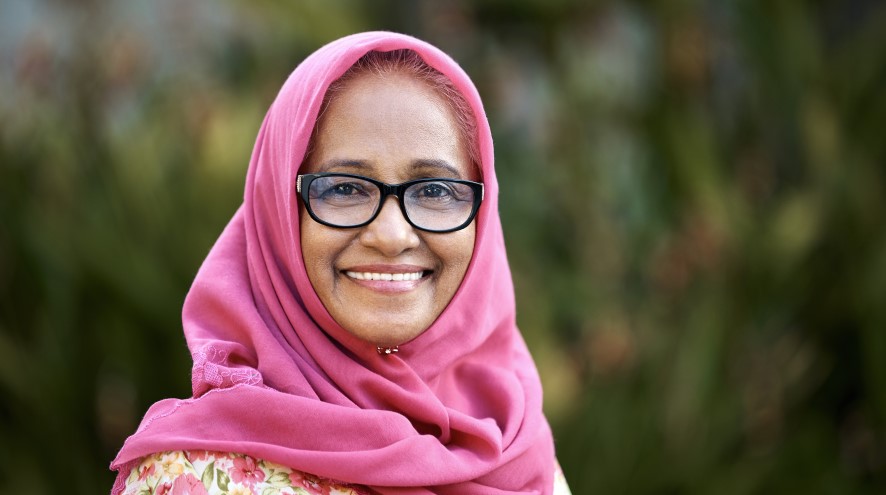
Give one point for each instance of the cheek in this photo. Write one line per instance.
(318, 249)
(455, 251)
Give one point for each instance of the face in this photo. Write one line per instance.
(391, 128)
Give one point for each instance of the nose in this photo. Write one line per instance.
(390, 233)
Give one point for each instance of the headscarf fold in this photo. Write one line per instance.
(457, 410)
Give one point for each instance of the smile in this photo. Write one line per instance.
(384, 276)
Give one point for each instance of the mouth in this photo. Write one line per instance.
(387, 278)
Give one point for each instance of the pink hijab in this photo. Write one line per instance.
(458, 410)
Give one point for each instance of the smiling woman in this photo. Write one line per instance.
(353, 329)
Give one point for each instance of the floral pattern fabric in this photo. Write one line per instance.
(215, 473)
(211, 473)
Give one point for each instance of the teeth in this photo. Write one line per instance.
(384, 276)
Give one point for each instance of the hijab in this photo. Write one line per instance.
(457, 410)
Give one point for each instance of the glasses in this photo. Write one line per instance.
(432, 204)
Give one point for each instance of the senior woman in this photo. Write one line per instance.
(353, 328)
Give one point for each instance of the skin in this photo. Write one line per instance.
(391, 128)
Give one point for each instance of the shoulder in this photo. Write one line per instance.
(210, 473)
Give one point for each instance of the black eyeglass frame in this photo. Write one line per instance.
(303, 186)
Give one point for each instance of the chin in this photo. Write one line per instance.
(389, 332)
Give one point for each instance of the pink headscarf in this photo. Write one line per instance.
(458, 410)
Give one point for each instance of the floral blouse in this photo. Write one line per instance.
(211, 473)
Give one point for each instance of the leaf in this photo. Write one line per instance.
(208, 475)
(280, 477)
(222, 479)
(270, 491)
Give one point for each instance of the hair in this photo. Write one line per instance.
(410, 63)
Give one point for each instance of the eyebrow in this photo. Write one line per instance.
(345, 163)
(434, 164)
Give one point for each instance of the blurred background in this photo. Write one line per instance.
(692, 194)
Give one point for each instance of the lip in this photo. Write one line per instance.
(387, 286)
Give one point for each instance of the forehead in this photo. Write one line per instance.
(392, 127)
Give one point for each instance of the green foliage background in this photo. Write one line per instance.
(692, 193)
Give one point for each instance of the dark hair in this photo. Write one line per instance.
(409, 62)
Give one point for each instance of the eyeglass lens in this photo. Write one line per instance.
(436, 204)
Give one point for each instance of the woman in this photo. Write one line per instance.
(353, 328)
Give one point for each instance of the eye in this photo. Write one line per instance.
(434, 190)
(344, 189)
(336, 190)
(439, 194)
